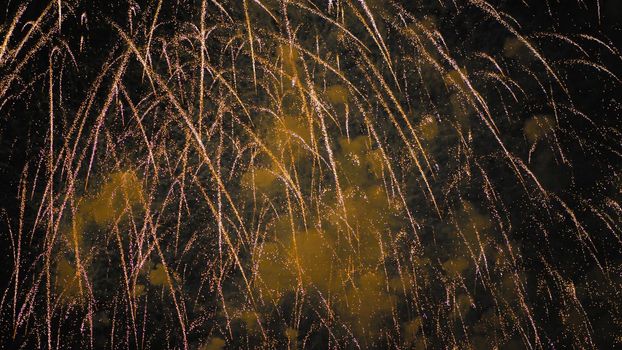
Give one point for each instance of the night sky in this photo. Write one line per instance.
(301, 174)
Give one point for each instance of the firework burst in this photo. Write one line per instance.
(311, 174)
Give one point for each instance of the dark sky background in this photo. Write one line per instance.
(24, 121)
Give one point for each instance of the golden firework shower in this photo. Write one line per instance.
(301, 174)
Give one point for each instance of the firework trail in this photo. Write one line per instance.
(311, 174)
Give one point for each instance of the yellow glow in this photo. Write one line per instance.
(157, 276)
(429, 128)
(67, 280)
(538, 127)
(337, 94)
(214, 344)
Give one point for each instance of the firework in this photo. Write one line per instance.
(311, 174)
